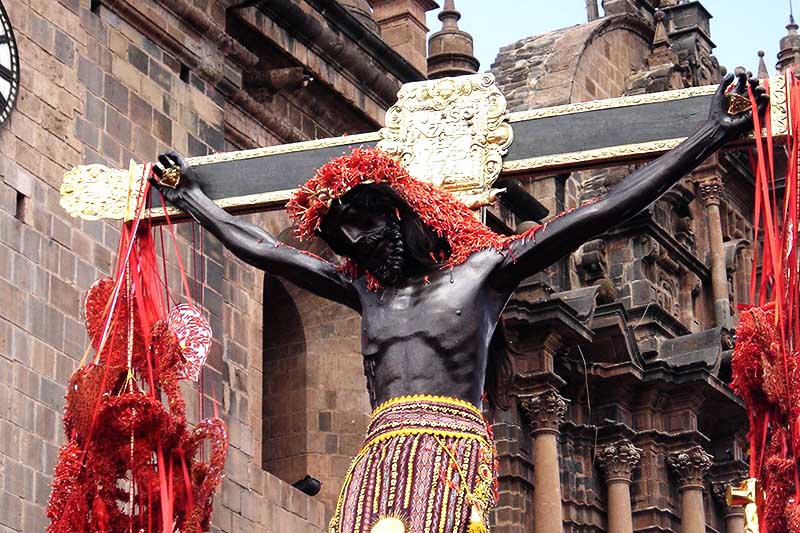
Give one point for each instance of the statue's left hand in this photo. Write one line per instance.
(735, 125)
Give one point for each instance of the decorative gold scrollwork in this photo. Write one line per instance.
(95, 192)
(451, 132)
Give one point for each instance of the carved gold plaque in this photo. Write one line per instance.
(94, 192)
(451, 132)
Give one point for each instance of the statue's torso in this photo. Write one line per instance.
(432, 337)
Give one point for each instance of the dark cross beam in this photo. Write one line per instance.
(563, 138)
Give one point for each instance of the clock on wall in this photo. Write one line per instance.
(9, 66)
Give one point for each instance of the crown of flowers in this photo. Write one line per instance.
(438, 209)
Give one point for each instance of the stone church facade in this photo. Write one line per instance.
(619, 417)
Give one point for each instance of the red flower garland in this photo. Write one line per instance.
(438, 209)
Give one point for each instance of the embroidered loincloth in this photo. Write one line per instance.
(427, 461)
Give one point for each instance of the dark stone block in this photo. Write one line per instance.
(94, 25)
(215, 273)
(110, 148)
(171, 63)
(332, 443)
(40, 31)
(212, 136)
(95, 110)
(118, 127)
(87, 133)
(196, 146)
(115, 93)
(160, 75)
(72, 5)
(215, 354)
(64, 48)
(235, 353)
(215, 96)
(197, 83)
(325, 421)
(138, 59)
(90, 75)
(212, 301)
(141, 112)
(162, 127)
(151, 48)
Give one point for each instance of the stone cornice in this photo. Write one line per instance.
(545, 411)
(676, 250)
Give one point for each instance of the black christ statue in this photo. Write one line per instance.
(428, 329)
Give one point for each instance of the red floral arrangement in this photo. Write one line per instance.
(131, 463)
(438, 209)
(766, 362)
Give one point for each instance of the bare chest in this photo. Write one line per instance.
(443, 312)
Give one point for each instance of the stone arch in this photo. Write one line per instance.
(284, 409)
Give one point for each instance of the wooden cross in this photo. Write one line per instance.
(454, 132)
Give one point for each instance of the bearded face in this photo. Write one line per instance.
(373, 240)
(376, 229)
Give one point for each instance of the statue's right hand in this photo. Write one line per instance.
(174, 178)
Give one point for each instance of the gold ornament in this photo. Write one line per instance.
(95, 192)
(170, 177)
(390, 524)
(738, 104)
(476, 523)
(748, 494)
(452, 133)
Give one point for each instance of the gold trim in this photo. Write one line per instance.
(596, 154)
(778, 106)
(738, 104)
(612, 103)
(424, 431)
(426, 398)
(283, 149)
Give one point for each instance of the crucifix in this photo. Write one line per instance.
(429, 280)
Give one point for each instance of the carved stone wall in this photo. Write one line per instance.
(651, 312)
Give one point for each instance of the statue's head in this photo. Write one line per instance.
(368, 208)
(375, 228)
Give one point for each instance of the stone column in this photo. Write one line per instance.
(545, 413)
(734, 519)
(691, 466)
(710, 187)
(617, 462)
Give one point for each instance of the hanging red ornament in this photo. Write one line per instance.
(130, 461)
(766, 368)
(194, 336)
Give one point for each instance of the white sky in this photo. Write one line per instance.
(739, 28)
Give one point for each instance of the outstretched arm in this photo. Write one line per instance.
(252, 244)
(564, 234)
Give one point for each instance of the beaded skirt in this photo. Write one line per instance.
(427, 465)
